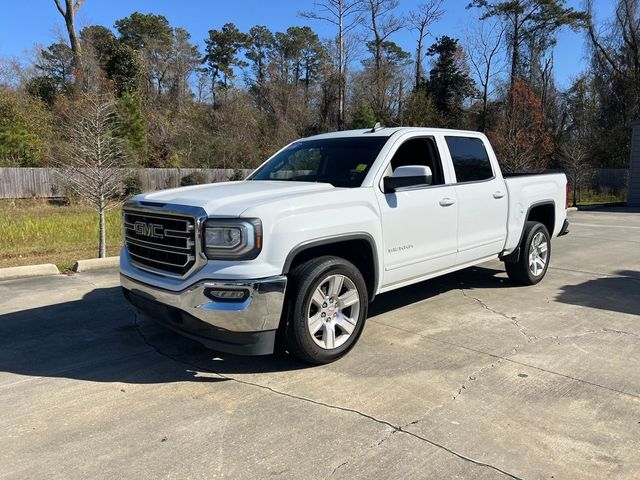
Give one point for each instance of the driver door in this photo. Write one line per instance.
(419, 223)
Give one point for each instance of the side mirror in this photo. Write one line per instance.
(408, 176)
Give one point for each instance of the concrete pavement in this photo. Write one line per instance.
(465, 376)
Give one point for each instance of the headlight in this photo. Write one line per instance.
(232, 239)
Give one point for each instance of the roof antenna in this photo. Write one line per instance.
(376, 127)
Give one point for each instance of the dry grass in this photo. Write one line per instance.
(41, 231)
(603, 195)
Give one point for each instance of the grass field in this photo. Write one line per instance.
(40, 231)
(589, 197)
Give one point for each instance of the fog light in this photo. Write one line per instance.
(227, 295)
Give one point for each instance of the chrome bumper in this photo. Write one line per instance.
(245, 326)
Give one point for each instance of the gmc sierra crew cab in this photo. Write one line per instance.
(291, 257)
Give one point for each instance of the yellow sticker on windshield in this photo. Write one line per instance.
(361, 168)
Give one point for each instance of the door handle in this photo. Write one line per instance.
(498, 194)
(446, 202)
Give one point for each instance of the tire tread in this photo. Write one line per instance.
(300, 279)
(518, 272)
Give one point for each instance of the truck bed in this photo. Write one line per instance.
(531, 189)
(530, 174)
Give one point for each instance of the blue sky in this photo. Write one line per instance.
(44, 23)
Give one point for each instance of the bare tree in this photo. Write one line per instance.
(575, 160)
(617, 51)
(527, 19)
(345, 15)
(68, 12)
(202, 85)
(420, 20)
(483, 46)
(13, 73)
(183, 61)
(546, 83)
(382, 23)
(92, 164)
(627, 23)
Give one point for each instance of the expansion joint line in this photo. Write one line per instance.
(395, 428)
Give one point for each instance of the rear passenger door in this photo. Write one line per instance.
(482, 199)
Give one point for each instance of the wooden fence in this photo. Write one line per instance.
(47, 183)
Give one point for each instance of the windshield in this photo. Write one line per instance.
(342, 162)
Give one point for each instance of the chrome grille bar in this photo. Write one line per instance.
(159, 246)
(162, 243)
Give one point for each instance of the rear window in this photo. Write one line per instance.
(470, 159)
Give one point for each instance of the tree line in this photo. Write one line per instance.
(233, 98)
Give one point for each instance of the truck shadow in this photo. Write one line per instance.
(470, 278)
(619, 293)
(100, 338)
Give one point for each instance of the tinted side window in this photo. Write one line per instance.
(419, 151)
(470, 159)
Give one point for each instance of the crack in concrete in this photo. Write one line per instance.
(590, 332)
(513, 320)
(395, 428)
(363, 453)
(507, 359)
(77, 278)
(474, 376)
(531, 339)
(338, 468)
(620, 332)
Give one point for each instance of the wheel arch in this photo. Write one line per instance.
(358, 248)
(543, 212)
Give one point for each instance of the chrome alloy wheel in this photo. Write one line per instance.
(333, 312)
(538, 254)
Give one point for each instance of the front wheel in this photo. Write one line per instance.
(535, 253)
(326, 309)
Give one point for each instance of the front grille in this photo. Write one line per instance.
(166, 243)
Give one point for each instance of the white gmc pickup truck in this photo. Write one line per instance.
(291, 257)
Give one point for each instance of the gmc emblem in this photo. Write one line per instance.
(152, 230)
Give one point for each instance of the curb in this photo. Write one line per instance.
(95, 264)
(572, 209)
(11, 273)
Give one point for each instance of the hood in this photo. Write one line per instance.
(233, 198)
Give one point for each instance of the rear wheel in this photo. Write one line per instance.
(535, 253)
(326, 309)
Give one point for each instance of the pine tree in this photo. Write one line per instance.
(449, 83)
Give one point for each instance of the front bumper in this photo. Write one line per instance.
(246, 326)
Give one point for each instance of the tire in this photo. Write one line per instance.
(533, 263)
(312, 313)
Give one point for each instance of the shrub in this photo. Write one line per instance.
(195, 178)
(236, 175)
(132, 185)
